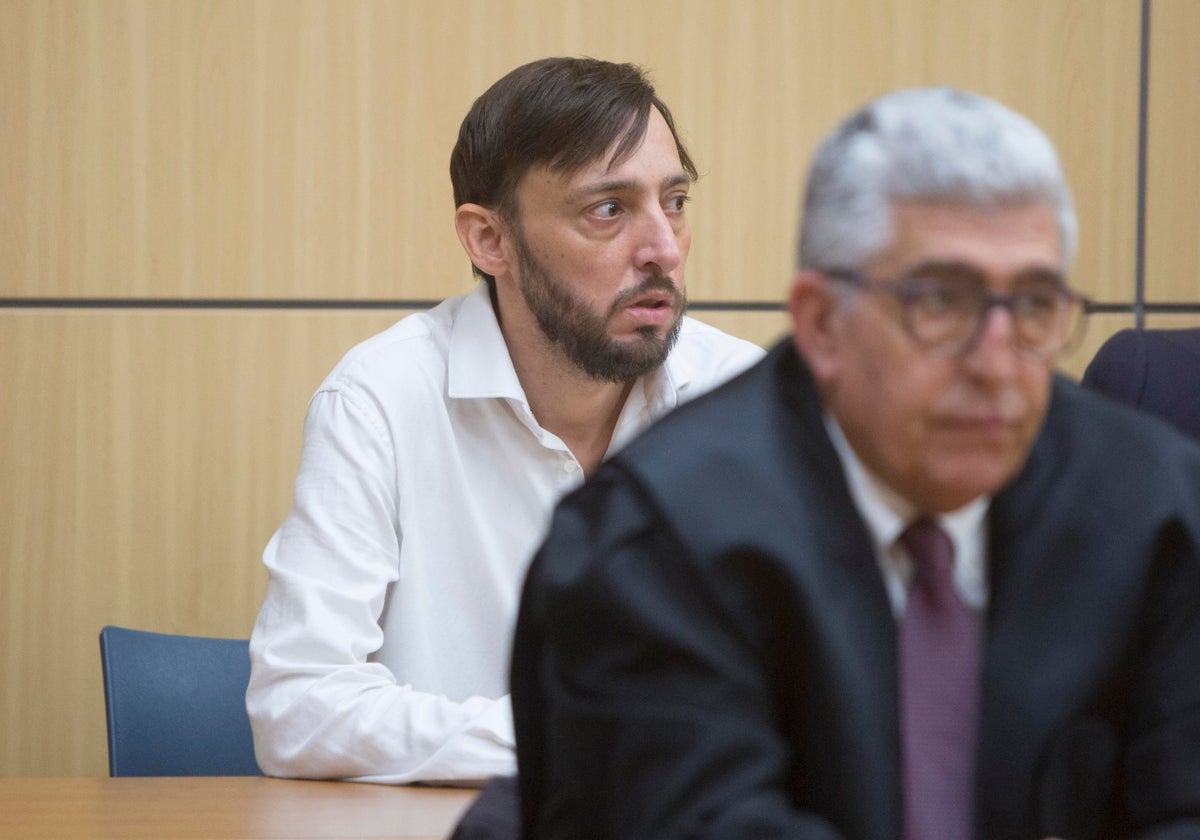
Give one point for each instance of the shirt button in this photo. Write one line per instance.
(570, 467)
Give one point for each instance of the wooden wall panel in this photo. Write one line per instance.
(156, 455)
(157, 450)
(1172, 162)
(149, 456)
(1071, 67)
(288, 149)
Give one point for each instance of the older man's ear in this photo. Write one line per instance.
(812, 305)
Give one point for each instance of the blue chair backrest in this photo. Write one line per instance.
(176, 705)
(1155, 370)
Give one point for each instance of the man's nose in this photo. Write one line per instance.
(994, 354)
(662, 242)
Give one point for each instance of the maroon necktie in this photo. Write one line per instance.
(939, 692)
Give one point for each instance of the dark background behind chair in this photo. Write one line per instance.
(1154, 370)
(176, 704)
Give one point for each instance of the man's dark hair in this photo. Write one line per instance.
(561, 113)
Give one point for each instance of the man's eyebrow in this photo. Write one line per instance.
(1033, 272)
(619, 185)
(1041, 273)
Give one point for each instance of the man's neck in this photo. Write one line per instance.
(580, 410)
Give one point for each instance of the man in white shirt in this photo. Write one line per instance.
(434, 451)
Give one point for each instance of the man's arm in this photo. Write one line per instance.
(642, 697)
(318, 707)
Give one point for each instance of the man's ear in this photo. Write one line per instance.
(482, 235)
(813, 307)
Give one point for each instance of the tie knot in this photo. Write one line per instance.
(931, 551)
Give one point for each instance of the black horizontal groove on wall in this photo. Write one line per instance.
(263, 303)
(319, 305)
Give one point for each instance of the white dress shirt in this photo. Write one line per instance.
(381, 651)
(887, 514)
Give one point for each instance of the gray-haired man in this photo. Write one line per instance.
(898, 580)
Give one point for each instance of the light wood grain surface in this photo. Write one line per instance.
(280, 149)
(1173, 155)
(223, 808)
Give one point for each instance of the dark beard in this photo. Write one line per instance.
(582, 336)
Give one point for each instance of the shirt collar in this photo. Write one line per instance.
(887, 513)
(676, 374)
(479, 364)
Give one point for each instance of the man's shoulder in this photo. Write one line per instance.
(706, 356)
(417, 344)
(741, 433)
(749, 464)
(752, 387)
(1095, 425)
(1107, 456)
(699, 338)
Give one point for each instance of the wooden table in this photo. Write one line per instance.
(222, 808)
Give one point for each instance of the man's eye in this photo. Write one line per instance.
(1036, 303)
(607, 210)
(676, 203)
(937, 298)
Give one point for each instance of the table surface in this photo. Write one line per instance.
(223, 808)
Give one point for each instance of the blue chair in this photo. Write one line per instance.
(1155, 370)
(176, 705)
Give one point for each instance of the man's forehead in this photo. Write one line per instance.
(653, 161)
(1003, 239)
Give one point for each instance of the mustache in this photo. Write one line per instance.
(652, 283)
(1007, 405)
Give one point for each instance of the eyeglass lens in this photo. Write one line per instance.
(948, 309)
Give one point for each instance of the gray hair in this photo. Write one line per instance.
(924, 144)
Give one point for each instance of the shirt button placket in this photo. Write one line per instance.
(569, 467)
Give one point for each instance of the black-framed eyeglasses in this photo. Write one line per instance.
(944, 309)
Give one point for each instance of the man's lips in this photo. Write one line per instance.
(653, 300)
(654, 307)
(982, 421)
